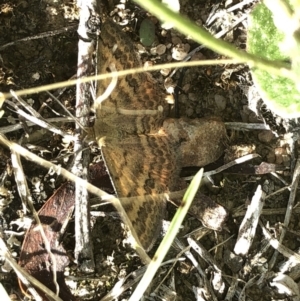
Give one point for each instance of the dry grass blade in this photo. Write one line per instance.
(290, 205)
(169, 237)
(279, 247)
(248, 226)
(40, 121)
(3, 293)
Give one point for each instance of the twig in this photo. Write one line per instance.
(18, 126)
(279, 247)
(294, 187)
(40, 36)
(152, 68)
(249, 283)
(233, 286)
(39, 121)
(83, 244)
(217, 36)
(204, 254)
(249, 223)
(241, 126)
(4, 294)
(226, 166)
(239, 5)
(202, 274)
(65, 109)
(271, 211)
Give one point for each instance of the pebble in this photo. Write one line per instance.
(220, 102)
(266, 136)
(198, 57)
(169, 85)
(193, 96)
(180, 51)
(165, 71)
(186, 87)
(176, 40)
(161, 49)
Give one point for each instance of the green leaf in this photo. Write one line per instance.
(264, 40)
(147, 32)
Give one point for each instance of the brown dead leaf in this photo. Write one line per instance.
(34, 258)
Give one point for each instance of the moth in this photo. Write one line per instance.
(142, 159)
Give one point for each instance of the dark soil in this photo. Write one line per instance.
(221, 90)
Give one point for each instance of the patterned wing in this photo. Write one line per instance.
(139, 160)
(137, 104)
(141, 166)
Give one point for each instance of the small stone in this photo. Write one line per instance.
(141, 49)
(164, 33)
(148, 64)
(161, 49)
(169, 85)
(169, 45)
(165, 71)
(36, 76)
(186, 87)
(220, 102)
(169, 58)
(271, 158)
(198, 57)
(189, 112)
(183, 99)
(176, 40)
(153, 51)
(234, 261)
(199, 109)
(193, 96)
(170, 99)
(266, 136)
(280, 152)
(199, 22)
(180, 51)
(237, 151)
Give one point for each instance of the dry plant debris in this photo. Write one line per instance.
(204, 264)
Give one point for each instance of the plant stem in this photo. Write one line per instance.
(200, 35)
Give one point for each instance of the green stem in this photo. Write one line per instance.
(169, 237)
(200, 35)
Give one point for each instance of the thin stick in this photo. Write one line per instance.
(226, 166)
(18, 126)
(280, 247)
(289, 209)
(83, 244)
(39, 121)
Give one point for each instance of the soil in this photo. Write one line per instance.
(223, 90)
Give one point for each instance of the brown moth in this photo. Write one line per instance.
(143, 160)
